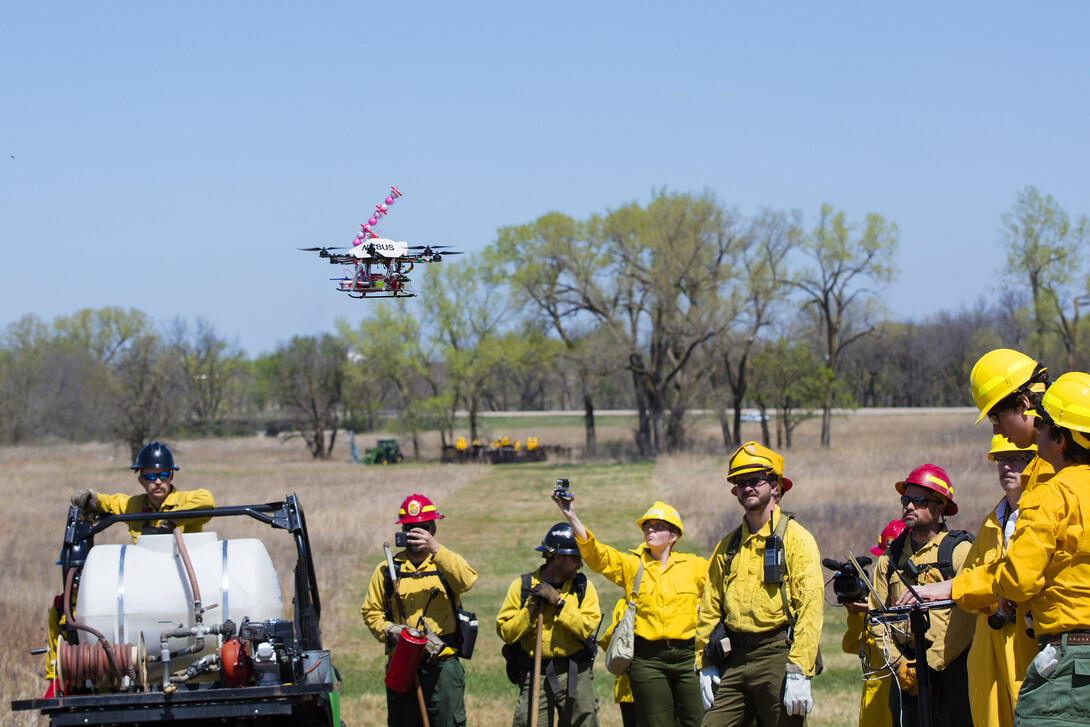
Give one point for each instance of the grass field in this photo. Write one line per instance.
(495, 516)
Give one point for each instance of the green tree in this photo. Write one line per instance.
(790, 377)
(1043, 254)
(845, 259)
(211, 371)
(308, 377)
(146, 393)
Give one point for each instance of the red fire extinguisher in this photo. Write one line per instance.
(401, 673)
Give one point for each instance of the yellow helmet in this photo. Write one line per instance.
(998, 374)
(1002, 445)
(661, 511)
(753, 457)
(1067, 404)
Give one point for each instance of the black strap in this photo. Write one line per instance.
(945, 563)
(451, 598)
(781, 531)
(579, 585)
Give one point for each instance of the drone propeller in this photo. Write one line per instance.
(437, 258)
(428, 247)
(322, 251)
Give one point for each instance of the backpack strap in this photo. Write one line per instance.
(894, 550)
(781, 531)
(451, 597)
(953, 539)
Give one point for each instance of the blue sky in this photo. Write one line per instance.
(171, 156)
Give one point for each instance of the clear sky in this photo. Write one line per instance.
(172, 156)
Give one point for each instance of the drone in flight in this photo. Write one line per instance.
(375, 266)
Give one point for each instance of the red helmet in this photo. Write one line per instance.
(417, 509)
(889, 532)
(934, 478)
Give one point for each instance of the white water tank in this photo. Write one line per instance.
(126, 590)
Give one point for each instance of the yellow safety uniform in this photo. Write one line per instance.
(951, 629)
(415, 590)
(747, 604)
(998, 659)
(176, 499)
(874, 701)
(668, 597)
(563, 632)
(1047, 563)
(622, 691)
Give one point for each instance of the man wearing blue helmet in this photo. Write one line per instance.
(155, 470)
(568, 605)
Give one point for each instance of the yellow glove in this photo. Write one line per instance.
(906, 677)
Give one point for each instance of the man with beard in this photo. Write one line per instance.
(926, 553)
(771, 612)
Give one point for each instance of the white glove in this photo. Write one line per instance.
(1045, 662)
(709, 680)
(796, 695)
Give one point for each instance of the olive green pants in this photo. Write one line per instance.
(1061, 699)
(554, 707)
(444, 686)
(665, 689)
(751, 689)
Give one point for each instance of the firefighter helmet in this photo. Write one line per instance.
(999, 374)
(1002, 445)
(753, 457)
(934, 478)
(661, 511)
(417, 509)
(1067, 404)
(155, 455)
(889, 532)
(560, 540)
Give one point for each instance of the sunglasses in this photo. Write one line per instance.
(153, 476)
(917, 502)
(994, 419)
(655, 527)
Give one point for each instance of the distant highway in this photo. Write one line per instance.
(869, 411)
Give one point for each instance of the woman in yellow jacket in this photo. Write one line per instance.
(664, 686)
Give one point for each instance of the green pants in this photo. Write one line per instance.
(1061, 699)
(444, 686)
(554, 708)
(665, 689)
(751, 690)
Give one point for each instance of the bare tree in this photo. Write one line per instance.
(844, 261)
(308, 381)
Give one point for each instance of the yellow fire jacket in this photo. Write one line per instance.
(176, 500)
(951, 629)
(414, 586)
(1047, 563)
(622, 690)
(874, 701)
(749, 605)
(668, 597)
(998, 659)
(563, 632)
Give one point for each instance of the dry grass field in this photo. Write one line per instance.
(843, 495)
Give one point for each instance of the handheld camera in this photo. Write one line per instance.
(848, 584)
(401, 539)
(562, 490)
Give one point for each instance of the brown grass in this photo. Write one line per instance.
(843, 495)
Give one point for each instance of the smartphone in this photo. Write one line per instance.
(561, 490)
(401, 539)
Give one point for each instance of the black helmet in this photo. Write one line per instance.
(559, 541)
(155, 456)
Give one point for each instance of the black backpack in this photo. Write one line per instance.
(945, 564)
(518, 660)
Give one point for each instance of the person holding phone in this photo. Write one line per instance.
(664, 687)
(424, 566)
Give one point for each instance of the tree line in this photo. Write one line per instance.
(680, 304)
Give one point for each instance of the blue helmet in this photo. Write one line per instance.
(155, 455)
(559, 541)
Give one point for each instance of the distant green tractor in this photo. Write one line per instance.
(387, 452)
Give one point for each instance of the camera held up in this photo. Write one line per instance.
(848, 584)
(562, 490)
